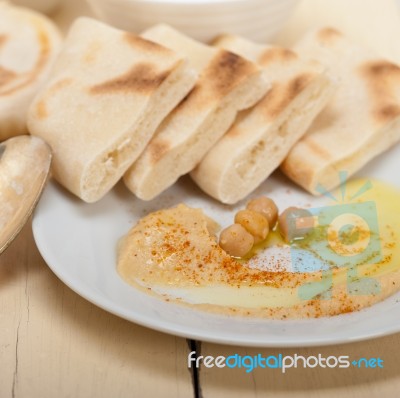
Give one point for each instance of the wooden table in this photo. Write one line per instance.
(53, 343)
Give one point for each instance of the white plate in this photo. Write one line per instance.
(78, 242)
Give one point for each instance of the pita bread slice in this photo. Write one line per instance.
(107, 93)
(29, 43)
(262, 136)
(361, 121)
(227, 84)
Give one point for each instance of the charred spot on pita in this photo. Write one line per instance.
(142, 78)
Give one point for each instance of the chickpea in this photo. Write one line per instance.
(253, 222)
(266, 207)
(295, 223)
(236, 241)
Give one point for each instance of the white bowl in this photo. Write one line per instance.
(258, 20)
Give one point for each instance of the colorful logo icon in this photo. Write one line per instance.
(341, 235)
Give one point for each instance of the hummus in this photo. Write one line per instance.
(174, 253)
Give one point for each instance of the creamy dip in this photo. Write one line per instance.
(174, 253)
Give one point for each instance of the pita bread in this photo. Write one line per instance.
(29, 43)
(361, 121)
(227, 83)
(106, 95)
(262, 136)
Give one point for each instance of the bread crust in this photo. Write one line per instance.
(107, 93)
(20, 80)
(361, 121)
(261, 137)
(227, 84)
